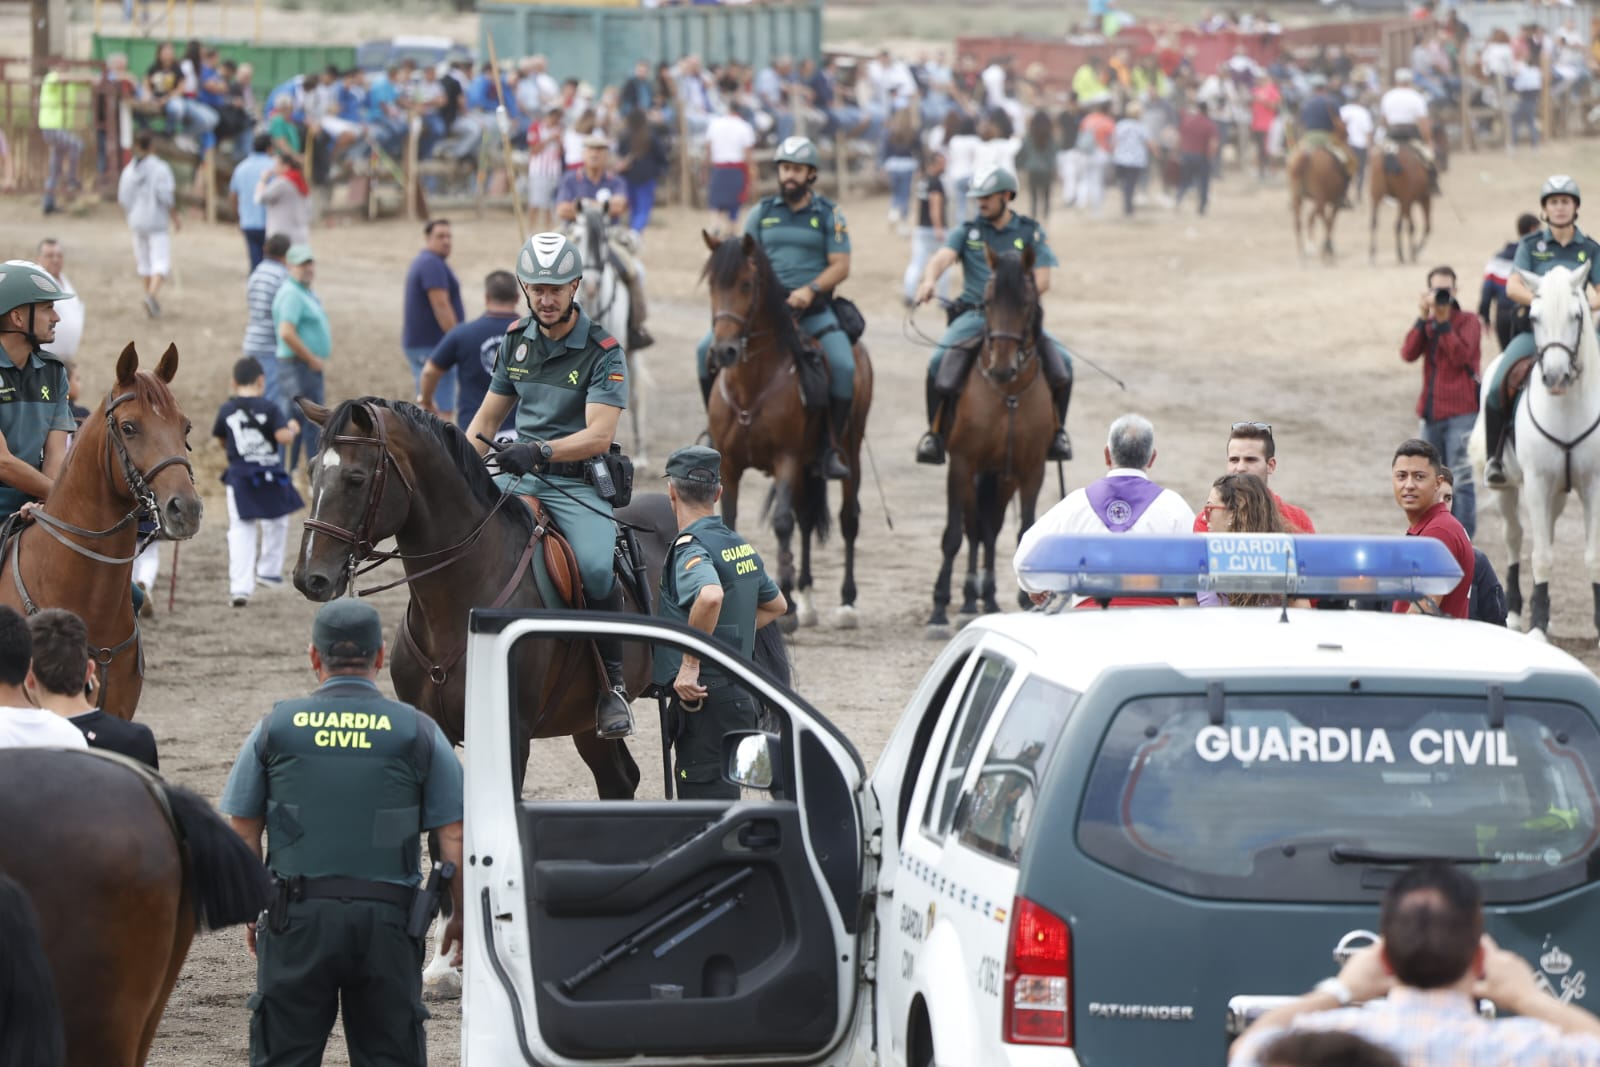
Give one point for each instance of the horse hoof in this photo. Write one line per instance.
(969, 611)
(1539, 636)
(805, 609)
(440, 981)
(788, 624)
(846, 618)
(1514, 622)
(991, 607)
(937, 631)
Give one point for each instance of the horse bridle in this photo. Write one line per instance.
(139, 487)
(364, 549)
(1570, 349)
(1027, 345)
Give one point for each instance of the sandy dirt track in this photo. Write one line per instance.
(1207, 320)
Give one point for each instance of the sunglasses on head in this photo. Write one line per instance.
(1264, 427)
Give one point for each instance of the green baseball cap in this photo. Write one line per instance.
(696, 463)
(348, 629)
(299, 254)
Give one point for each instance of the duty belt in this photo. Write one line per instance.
(567, 470)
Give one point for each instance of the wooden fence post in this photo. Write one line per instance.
(414, 134)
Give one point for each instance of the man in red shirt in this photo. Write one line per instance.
(1417, 481)
(1197, 147)
(1445, 338)
(1251, 451)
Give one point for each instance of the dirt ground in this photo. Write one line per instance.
(1208, 320)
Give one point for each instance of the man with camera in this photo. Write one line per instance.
(1446, 339)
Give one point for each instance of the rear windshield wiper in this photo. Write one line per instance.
(1353, 854)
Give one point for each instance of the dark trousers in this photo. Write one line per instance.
(254, 242)
(1194, 172)
(338, 956)
(1361, 169)
(1128, 178)
(1039, 194)
(699, 741)
(297, 379)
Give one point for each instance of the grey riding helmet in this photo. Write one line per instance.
(991, 181)
(1559, 185)
(549, 259)
(23, 283)
(797, 150)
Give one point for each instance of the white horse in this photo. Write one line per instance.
(605, 299)
(1557, 448)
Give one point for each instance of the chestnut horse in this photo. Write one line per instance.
(759, 421)
(1316, 177)
(120, 869)
(999, 435)
(1402, 176)
(128, 460)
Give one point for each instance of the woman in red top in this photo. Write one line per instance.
(1264, 101)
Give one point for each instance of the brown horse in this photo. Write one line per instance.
(1403, 176)
(130, 458)
(759, 421)
(1315, 176)
(389, 469)
(121, 869)
(999, 435)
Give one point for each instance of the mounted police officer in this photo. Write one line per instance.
(1406, 120)
(712, 581)
(1321, 127)
(1559, 244)
(807, 240)
(344, 782)
(596, 182)
(999, 229)
(36, 418)
(567, 378)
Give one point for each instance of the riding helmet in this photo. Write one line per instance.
(991, 181)
(1559, 185)
(797, 150)
(549, 259)
(23, 283)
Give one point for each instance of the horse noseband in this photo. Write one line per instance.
(360, 539)
(138, 481)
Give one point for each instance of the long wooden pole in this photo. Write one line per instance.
(97, 4)
(503, 123)
(172, 18)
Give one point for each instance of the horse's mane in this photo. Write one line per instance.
(1012, 284)
(447, 436)
(722, 270)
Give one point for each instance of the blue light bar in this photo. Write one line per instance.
(1311, 565)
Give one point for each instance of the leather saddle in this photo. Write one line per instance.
(560, 563)
(1516, 377)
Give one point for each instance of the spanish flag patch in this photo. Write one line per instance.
(692, 562)
(613, 377)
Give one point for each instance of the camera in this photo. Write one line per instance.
(1442, 296)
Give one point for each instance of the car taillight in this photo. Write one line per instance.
(1038, 991)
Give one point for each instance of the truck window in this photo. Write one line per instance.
(995, 819)
(983, 691)
(1299, 796)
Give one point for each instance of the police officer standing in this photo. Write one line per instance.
(567, 378)
(344, 782)
(807, 240)
(1559, 244)
(714, 582)
(999, 229)
(36, 418)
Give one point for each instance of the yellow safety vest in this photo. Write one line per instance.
(53, 103)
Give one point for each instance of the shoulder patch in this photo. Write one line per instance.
(608, 342)
(685, 539)
(693, 560)
(518, 326)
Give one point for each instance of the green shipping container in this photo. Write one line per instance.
(600, 45)
(274, 64)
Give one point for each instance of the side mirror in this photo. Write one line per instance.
(749, 758)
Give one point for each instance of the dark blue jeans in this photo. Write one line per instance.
(297, 379)
(254, 242)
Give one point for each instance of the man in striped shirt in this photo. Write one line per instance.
(260, 338)
(1418, 988)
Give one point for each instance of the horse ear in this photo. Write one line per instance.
(361, 418)
(711, 242)
(127, 365)
(749, 245)
(312, 410)
(1530, 279)
(167, 369)
(1028, 259)
(988, 254)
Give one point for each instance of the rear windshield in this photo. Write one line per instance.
(1305, 796)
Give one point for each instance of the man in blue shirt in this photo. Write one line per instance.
(432, 307)
(242, 196)
(469, 352)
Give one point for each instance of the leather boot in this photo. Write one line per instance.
(834, 466)
(1060, 443)
(931, 448)
(1494, 468)
(613, 711)
(706, 385)
(638, 337)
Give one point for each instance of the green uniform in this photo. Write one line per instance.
(347, 781)
(1538, 253)
(33, 404)
(553, 381)
(971, 241)
(707, 553)
(798, 244)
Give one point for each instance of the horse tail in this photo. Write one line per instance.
(227, 881)
(771, 653)
(812, 507)
(30, 1017)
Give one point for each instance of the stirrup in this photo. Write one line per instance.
(638, 338)
(833, 465)
(1494, 473)
(930, 449)
(1060, 446)
(613, 715)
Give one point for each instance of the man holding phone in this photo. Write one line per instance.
(1446, 339)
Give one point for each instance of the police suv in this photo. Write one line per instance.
(1108, 838)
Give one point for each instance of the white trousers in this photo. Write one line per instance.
(146, 565)
(245, 536)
